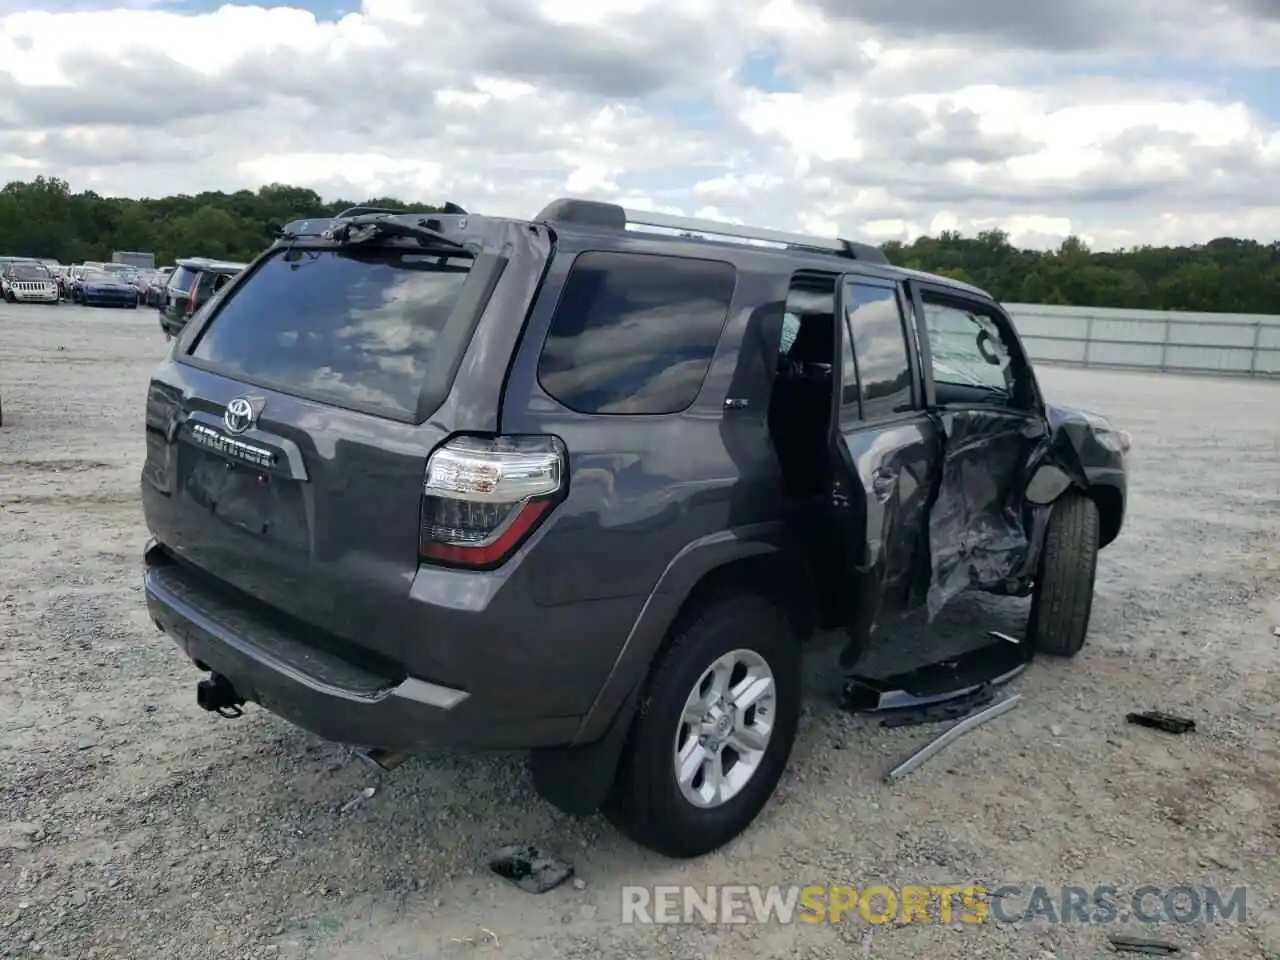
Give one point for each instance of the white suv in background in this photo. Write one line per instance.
(28, 281)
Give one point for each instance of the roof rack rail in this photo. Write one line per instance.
(611, 215)
(802, 241)
(361, 210)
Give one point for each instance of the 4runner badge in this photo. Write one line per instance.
(240, 414)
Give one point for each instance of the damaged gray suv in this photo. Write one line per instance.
(586, 484)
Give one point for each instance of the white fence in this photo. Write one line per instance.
(1241, 344)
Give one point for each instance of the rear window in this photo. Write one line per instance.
(182, 279)
(635, 333)
(356, 328)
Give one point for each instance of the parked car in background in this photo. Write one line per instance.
(156, 283)
(68, 280)
(100, 288)
(195, 280)
(28, 281)
(129, 274)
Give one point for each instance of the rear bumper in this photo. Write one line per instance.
(321, 692)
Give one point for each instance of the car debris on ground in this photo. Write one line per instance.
(946, 690)
(950, 735)
(529, 868)
(1159, 948)
(1162, 721)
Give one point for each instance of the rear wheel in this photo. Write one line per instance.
(714, 730)
(1062, 602)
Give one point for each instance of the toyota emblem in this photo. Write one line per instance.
(239, 415)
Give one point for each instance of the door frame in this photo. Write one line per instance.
(851, 493)
(949, 296)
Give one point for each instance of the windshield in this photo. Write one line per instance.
(27, 271)
(366, 328)
(98, 276)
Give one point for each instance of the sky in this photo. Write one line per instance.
(1126, 123)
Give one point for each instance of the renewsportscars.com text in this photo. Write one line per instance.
(933, 904)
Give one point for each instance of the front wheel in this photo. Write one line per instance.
(1062, 602)
(714, 729)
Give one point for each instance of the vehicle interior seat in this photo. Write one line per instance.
(800, 408)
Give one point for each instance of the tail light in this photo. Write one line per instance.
(484, 496)
(191, 297)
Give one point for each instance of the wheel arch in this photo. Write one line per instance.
(576, 778)
(1110, 502)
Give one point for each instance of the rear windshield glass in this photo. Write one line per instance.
(357, 328)
(181, 279)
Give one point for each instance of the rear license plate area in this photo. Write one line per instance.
(255, 500)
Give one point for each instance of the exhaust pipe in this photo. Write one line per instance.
(382, 759)
(217, 695)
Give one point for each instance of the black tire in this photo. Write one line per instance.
(1062, 601)
(646, 802)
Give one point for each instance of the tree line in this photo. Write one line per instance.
(44, 218)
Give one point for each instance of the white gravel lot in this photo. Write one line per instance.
(134, 825)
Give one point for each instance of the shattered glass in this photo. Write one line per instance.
(951, 342)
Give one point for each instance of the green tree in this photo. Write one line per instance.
(45, 218)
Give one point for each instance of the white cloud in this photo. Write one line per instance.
(912, 119)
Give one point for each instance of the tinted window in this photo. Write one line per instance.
(968, 351)
(182, 279)
(356, 328)
(880, 349)
(635, 333)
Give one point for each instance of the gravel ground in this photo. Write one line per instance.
(134, 825)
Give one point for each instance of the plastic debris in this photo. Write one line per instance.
(1159, 948)
(365, 794)
(1162, 721)
(529, 868)
(944, 690)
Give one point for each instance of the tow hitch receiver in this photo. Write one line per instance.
(218, 695)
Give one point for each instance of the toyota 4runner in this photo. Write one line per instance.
(584, 487)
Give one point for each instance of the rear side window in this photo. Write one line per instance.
(182, 279)
(357, 328)
(879, 349)
(635, 333)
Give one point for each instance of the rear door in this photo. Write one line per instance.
(886, 451)
(287, 443)
(982, 392)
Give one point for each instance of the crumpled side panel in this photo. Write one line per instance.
(977, 536)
